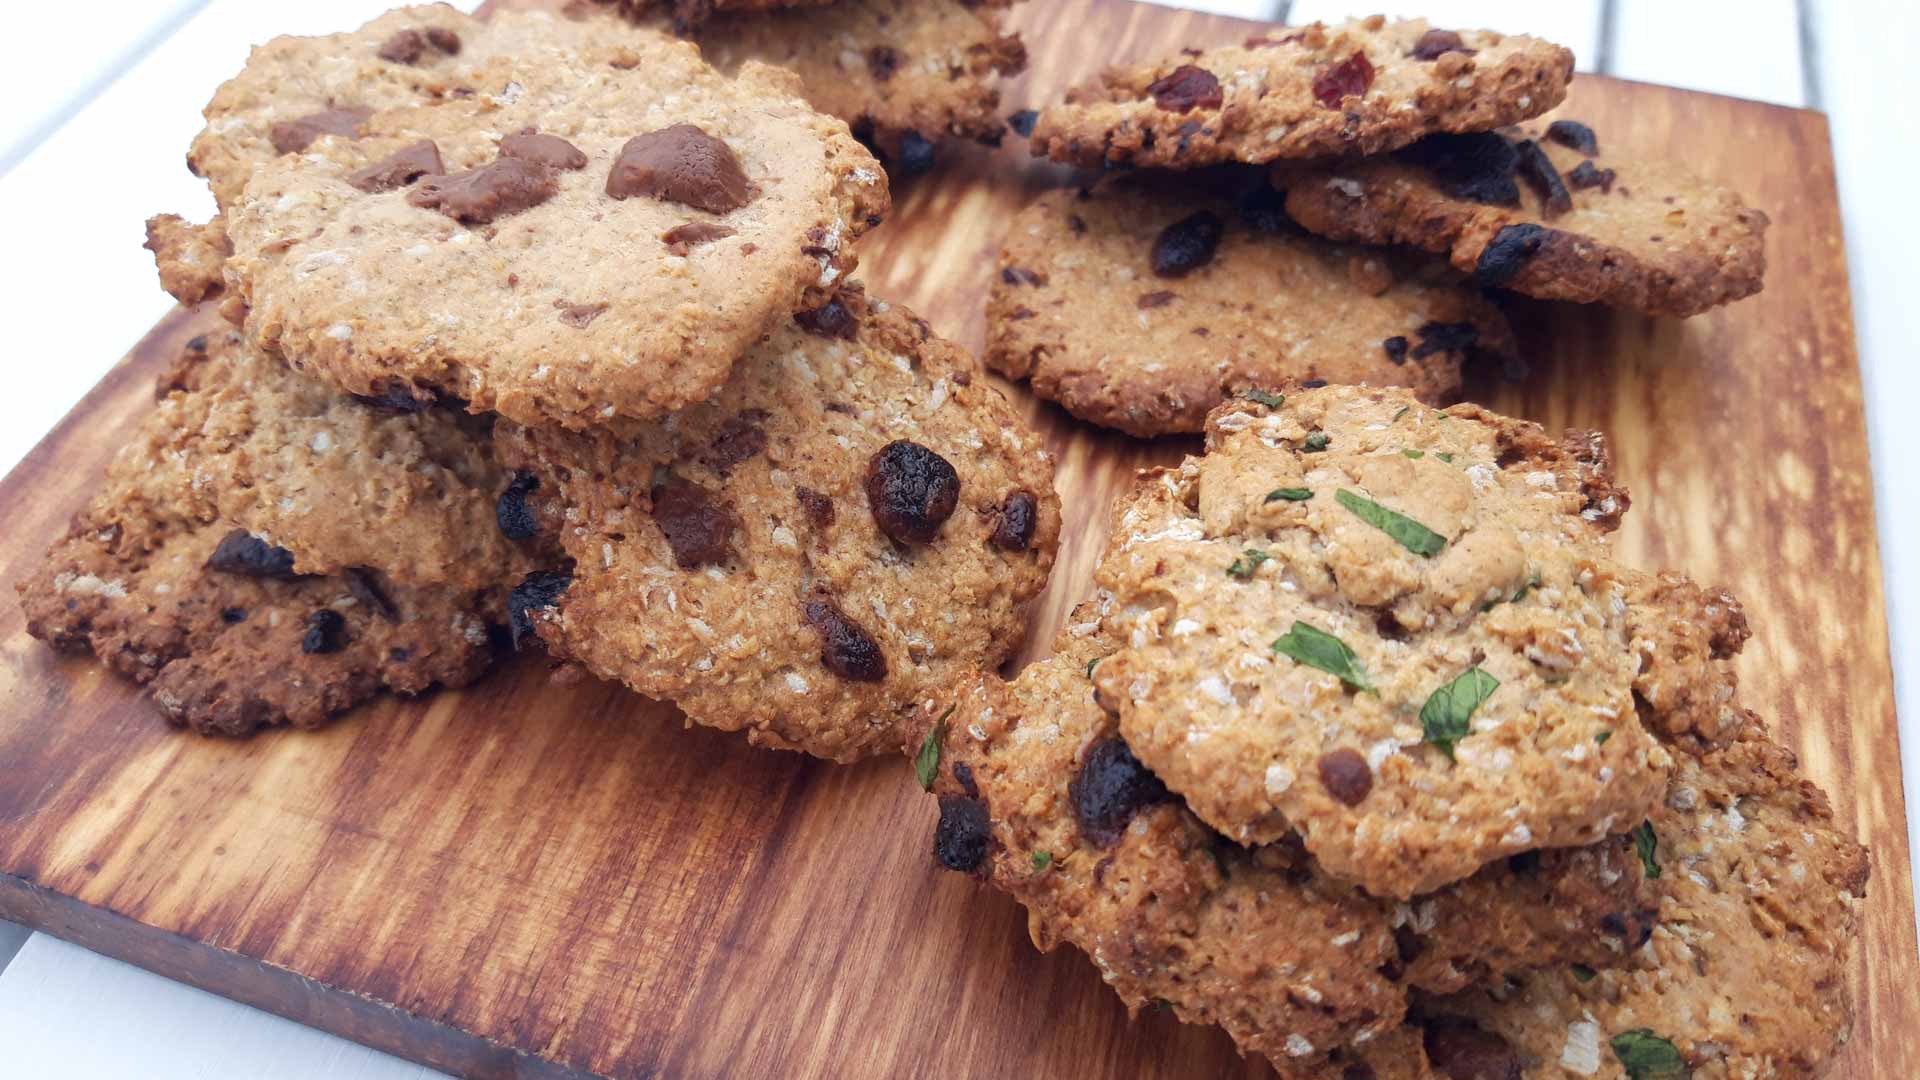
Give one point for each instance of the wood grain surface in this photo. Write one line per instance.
(530, 880)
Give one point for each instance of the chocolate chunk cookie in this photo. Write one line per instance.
(1549, 210)
(1143, 303)
(853, 523)
(546, 272)
(1362, 87)
(224, 626)
(1392, 630)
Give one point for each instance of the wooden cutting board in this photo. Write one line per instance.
(530, 880)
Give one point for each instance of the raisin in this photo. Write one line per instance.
(1187, 244)
(1538, 171)
(961, 839)
(912, 491)
(1151, 300)
(1396, 348)
(1111, 787)
(397, 397)
(915, 156)
(1463, 1051)
(833, 319)
(1345, 775)
(818, 505)
(1264, 210)
(1019, 517)
(233, 615)
(1435, 44)
(1574, 135)
(1477, 167)
(739, 439)
(882, 62)
(326, 633)
(1511, 249)
(846, 649)
(515, 516)
(242, 553)
(1020, 275)
(1439, 337)
(538, 591)
(1022, 122)
(1348, 78)
(1585, 175)
(364, 583)
(1185, 89)
(697, 524)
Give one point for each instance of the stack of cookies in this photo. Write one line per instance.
(544, 329)
(1329, 204)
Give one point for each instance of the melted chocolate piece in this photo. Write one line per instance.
(400, 168)
(408, 46)
(550, 150)
(697, 524)
(681, 164)
(293, 136)
(737, 440)
(1345, 775)
(495, 190)
(579, 316)
(682, 239)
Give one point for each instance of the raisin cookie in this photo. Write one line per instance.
(220, 624)
(1746, 971)
(1362, 87)
(1143, 303)
(594, 232)
(1545, 210)
(1393, 630)
(853, 523)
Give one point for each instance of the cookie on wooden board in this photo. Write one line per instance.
(1360, 87)
(1143, 303)
(189, 257)
(1391, 629)
(855, 522)
(596, 231)
(223, 626)
(1548, 209)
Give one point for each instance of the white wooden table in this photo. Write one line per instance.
(93, 141)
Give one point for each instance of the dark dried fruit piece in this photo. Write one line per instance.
(1345, 775)
(1264, 209)
(1512, 248)
(1634, 928)
(1585, 175)
(697, 524)
(495, 190)
(682, 239)
(364, 583)
(408, 46)
(1022, 122)
(961, 840)
(400, 168)
(681, 164)
(233, 615)
(1574, 135)
(833, 319)
(395, 397)
(1538, 171)
(293, 136)
(1460, 1050)
(846, 649)
(550, 150)
(514, 514)
(1348, 78)
(1111, 787)
(818, 505)
(1477, 167)
(242, 553)
(1439, 337)
(537, 592)
(740, 438)
(912, 491)
(882, 62)
(326, 632)
(1435, 44)
(1187, 244)
(1019, 518)
(1396, 348)
(1149, 301)
(915, 156)
(1020, 275)
(1186, 88)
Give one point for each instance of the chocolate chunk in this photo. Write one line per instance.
(1313, 384)
(1460, 1050)
(1509, 252)
(538, 592)
(912, 491)
(443, 39)
(1187, 244)
(915, 156)
(1149, 301)
(1574, 135)
(1264, 209)
(1185, 89)
(579, 316)
(1478, 167)
(293, 136)
(818, 505)
(846, 649)
(242, 553)
(1020, 275)
(397, 397)
(681, 164)
(961, 839)
(1439, 337)
(364, 583)
(1022, 122)
(1019, 517)
(882, 62)
(1345, 775)
(1538, 171)
(513, 513)
(495, 190)
(1111, 787)
(400, 168)
(326, 632)
(833, 319)
(1396, 347)
(1435, 44)
(737, 440)
(1586, 175)
(682, 239)
(550, 150)
(408, 46)
(1348, 78)
(697, 524)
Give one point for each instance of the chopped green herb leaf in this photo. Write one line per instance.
(1601, 738)
(1412, 535)
(1648, 845)
(1531, 583)
(1249, 561)
(1315, 442)
(1318, 649)
(1646, 1056)
(1092, 662)
(1401, 413)
(926, 763)
(1584, 973)
(1271, 401)
(1289, 494)
(1042, 860)
(1444, 456)
(1414, 455)
(1443, 719)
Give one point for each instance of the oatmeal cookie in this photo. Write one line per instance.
(189, 257)
(1548, 210)
(1361, 87)
(852, 524)
(1142, 303)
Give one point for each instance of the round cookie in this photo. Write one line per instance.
(595, 232)
(1391, 629)
(852, 524)
(1548, 211)
(1143, 303)
(1361, 87)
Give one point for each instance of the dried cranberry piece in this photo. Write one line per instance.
(740, 438)
(1586, 175)
(1019, 517)
(1512, 248)
(326, 632)
(912, 491)
(1435, 44)
(846, 649)
(364, 583)
(513, 512)
(500, 188)
(1538, 171)
(697, 524)
(1396, 348)
(1187, 244)
(1022, 122)
(400, 168)
(1477, 167)
(1186, 88)
(1439, 337)
(961, 840)
(240, 552)
(1574, 135)
(1111, 787)
(1348, 78)
(1463, 1051)
(552, 151)
(1345, 775)
(538, 593)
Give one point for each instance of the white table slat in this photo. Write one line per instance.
(1744, 48)
(11, 938)
(1265, 10)
(1573, 23)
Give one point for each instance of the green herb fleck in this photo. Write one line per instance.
(1443, 719)
(1092, 662)
(1530, 584)
(926, 763)
(1412, 535)
(1289, 494)
(1648, 845)
(1163, 1004)
(1315, 442)
(1444, 456)
(1601, 738)
(1318, 649)
(1583, 973)
(1414, 455)
(1249, 561)
(1271, 401)
(1042, 860)
(1646, 1056)
(1398, 415)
